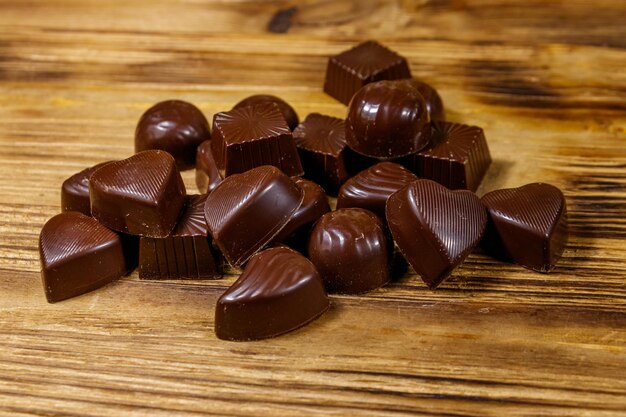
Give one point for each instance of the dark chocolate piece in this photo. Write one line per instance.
(247, 210)
(458, 156)
(321, 141)
(434, 104)
(75, 191)
(278, 291)
(371, 188)
(141, 195)
(350, 249)
(208, 175)
(173, 126)
(369, 61)
(252, 136)
(186, 253)
(78, 255)
(435, 228)
(527, 225)
(387, 119)
(290, 115)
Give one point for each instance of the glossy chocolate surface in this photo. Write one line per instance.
(371, 188)
(367, 62)
(253, 136)
(279, 291)
(246, 211)
(435, 228)
(387, 119)
(186, 253)
(173, 126)
(527, 225)
(434, 104)
(75, 191)
(208, 175)
(290, 115)
(142, 195)
(78, 255)
(321, 141)
(350, 249)
(457, 157)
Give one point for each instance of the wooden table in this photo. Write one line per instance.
(548, 84)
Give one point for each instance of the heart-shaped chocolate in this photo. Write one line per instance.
(78, 255)
(278, 291)
(527, 225)
(142, 195)
(435, 228)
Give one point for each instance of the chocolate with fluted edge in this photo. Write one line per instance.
(174, 126)
(387, 119)
(186, 253)
(435, 228)
(527, 225)
(321, 141)
(141, 195)
(291, 117)
(246, 211)
(351, 251)
(434, 104)
(208, 176)
(363, 64)
(279, 291)
(252, 136)
(75, 191)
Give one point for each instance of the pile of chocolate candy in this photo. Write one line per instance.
(400, 173)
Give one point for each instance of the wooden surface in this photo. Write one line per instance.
(546, 81)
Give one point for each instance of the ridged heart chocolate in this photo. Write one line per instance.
(527, 225)
(435, 228)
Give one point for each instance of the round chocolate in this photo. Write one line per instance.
(387, 119)
(290, 115)
(434, 104)
(173, 126)
(350, 249)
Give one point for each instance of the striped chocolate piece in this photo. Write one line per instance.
(75, 191)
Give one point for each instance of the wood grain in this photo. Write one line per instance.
(544, 79)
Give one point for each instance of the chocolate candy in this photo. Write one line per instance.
(435, 228)
(458, 156)
(141, 195)
(351, 251)
(290, 115)
(247, 210)
(75, 191)
(527, 225)
(78, 255)
(278, 291)
(186, 253)
(367, 62)
(387, 119)
(174, 126)
(207, 174)
(434, 104)
(321, 141)
(371, 188)
(252, 136)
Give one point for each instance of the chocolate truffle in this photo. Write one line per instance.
(365, 63)
(527, 225)
(252, 136)
(350, 249)
(290, 115)
(387, 119)
(246, 211)
(321, 141)
(371, 188)
(435, 228)
(208, 175)
(173, 126)
(278, 291)
(457, 157)
(75, 191)
(141, 195)
(434, 104)
(186, 253)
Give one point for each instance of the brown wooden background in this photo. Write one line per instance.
(546, 80)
